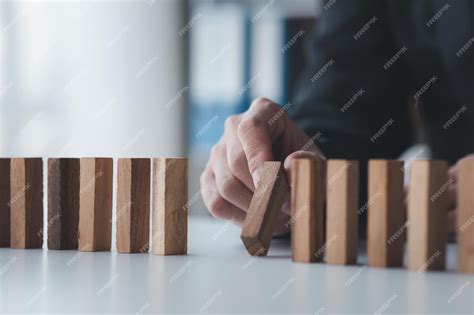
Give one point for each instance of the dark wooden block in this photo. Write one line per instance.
(63, 203)
(4, 202)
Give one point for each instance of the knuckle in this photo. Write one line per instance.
(231, 122)
(271, 107)
(227, 185)
(248, 124)
(263, 103)
(260, 101)
(216, 150)
(216, 206)
(236, 160)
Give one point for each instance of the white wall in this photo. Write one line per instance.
(92, 78)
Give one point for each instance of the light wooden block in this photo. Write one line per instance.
(133, 205)
(307, 206)
(170, 213)
(4, 202)
(95, 206)
(26, 203)
(342, 212)
(427, 215)
(385, 227)
(265, 206)
(63, 203)
(465, 216)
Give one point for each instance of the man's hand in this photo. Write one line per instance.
(263, 133)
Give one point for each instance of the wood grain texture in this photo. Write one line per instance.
(4, 202)
(170, 213)
(95, 206)
(342, 212)
(386, 224)
(133, 205)
(465, 217)
(63, 203)
(307, 206)
(26, 203)
(427, 215)
(265, 206)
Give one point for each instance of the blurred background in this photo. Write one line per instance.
(141, 78)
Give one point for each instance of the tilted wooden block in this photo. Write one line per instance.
(26, 203)
(465, 216)
(427, 215)
(133, 205)
(342, 212)
(265, 206)
(95, 206)
(307, 206)
(63, 203)
(4, 202)
(170, 213)
(386, 224)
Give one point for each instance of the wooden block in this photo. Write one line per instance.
(465, 215)
(427, 215)
(170, 213)
(265, 206)
(95, 205)
(26, 203)
(386, 224)
(307, 206)
(63, 203)
(342, 212)
(133, 205)
(4, 202)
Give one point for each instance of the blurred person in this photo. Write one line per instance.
(367, 61)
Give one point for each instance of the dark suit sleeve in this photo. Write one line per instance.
(359, 107)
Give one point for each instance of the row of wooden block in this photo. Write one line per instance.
(426, 225)
(80, 204)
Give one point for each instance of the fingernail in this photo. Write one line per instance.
(256, 176)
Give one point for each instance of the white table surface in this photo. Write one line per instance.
(217, 276)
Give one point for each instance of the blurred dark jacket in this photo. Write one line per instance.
(368, 58)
